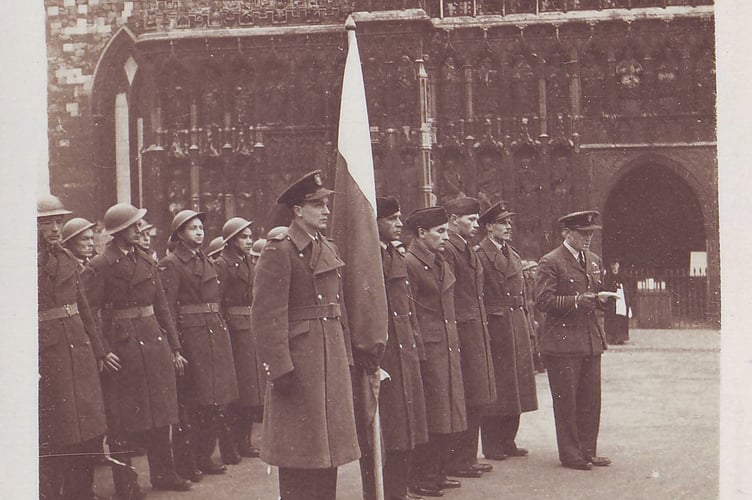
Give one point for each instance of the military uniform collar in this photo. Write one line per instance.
(113, 253)
(232, 255)
(183, 252)
(422, 253)
(299, 237)
(571, 250)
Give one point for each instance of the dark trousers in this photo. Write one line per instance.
(68, 473)
(307, 484)
(575, 383)
(430, 460)
(396, 473)
(158, 452)
(235, 435)
(498, 433)
(464, 451)
(195, 437)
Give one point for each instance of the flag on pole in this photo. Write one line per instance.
(354, 226)
(355, 231)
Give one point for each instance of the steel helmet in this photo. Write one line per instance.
(121, 216)
(277, 233)
(74, 227)
(49, 205)
(181, 218)
(215, 246)
(143, 225)
(233, 227)
(258, 245)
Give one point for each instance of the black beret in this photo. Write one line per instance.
(426, 218)
(496, 213)
(386, 206)
(463, 205)
(584, 221)
(307, 188)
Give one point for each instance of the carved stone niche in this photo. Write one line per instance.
(453, 164)
(629, 79)
(487, 82)
(490, 175)
(524, 87)
(557, 80)
(593, 70)
(451, 80)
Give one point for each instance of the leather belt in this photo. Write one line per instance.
(132, 312)
(210, 307)
(514, 301)
(314, 312)
(59, 312)
(238, 310)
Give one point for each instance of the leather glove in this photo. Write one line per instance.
(285, 383)
(368, 362)
(587, 301)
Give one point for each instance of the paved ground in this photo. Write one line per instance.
(659, 425)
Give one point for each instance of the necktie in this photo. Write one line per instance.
(581, 260)
(505, 250)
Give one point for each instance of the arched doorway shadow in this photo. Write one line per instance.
(653, 219)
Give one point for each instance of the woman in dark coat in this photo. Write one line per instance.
(71, 409)
(235, 271)
(124, 288)
(616, 316)
(191, 286)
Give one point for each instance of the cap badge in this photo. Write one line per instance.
(317, 180)
(590, 218)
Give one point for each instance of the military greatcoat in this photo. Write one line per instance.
(402, 404)
(236, 285)
(472, 327)
(71, 409)
(432, 283)
(568, 330)
(509, 328)
(137, 326)
(192, 290)
(300, 326)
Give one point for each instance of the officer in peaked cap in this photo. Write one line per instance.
(235, 271)
(309, 423)
(477, 363)
(510, 331)
(192, 288)
(572, 341)
(78, 238)
(123, 286)
(71, 409)
(432, 282)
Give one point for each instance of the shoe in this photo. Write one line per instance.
(233, 459)
(406, 497)
(410, 496)
(208, 466)
(448, 484)
(578, 465)
(465, 472)
(249, 451)
(511, 450)
(482, 467)
(133, 492)
(600, 461)
(427, 491)
(194, 475)
(174, 483)
(495, 456)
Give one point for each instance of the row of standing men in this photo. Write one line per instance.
(459, 353)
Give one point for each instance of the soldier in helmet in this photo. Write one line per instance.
(300, 329)
(258, 245)
(144, 238)
(123, 286)
(78, 238)
(215, 248)
(235, 271)
(192, 287)
(71, 354)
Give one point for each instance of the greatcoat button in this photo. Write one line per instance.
(319, 296)
(159, 338)
(395, 313)
(141, 342)
(425, 267)
(300, 255)
(71, 346)
(325, 319)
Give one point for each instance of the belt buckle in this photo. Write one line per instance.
(67, 310)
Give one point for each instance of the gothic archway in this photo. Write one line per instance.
(653, 219)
